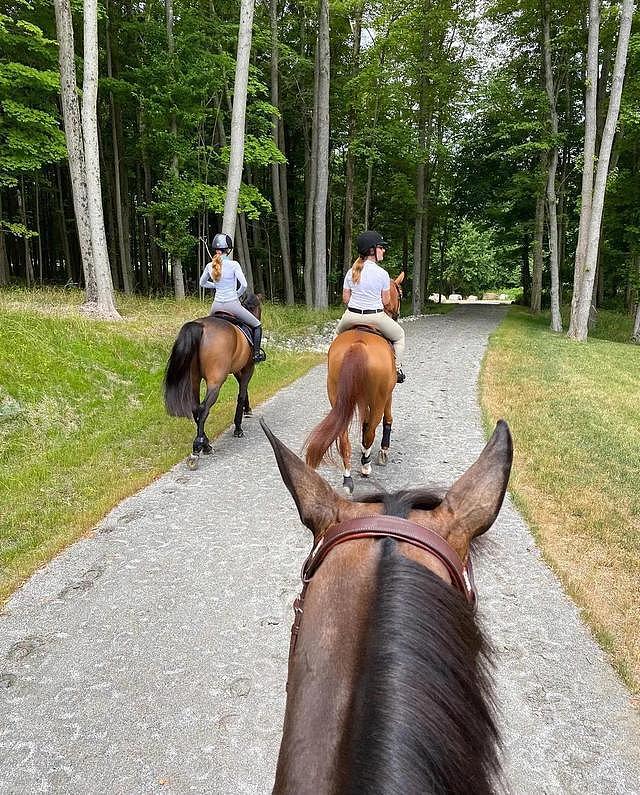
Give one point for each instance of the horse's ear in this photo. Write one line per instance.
(471, 505)
(399, 279)
(318, 504)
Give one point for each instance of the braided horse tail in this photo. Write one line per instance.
(350, 397)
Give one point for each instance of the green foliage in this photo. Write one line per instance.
(471, 264)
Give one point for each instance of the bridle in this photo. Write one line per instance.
(382, 526)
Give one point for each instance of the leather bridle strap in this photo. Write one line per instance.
(382, 526)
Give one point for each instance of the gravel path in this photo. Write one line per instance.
(151, 656)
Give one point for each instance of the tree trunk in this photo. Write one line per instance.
(154, 251)
(556, 318)
(538, 241)
(105, 303)
(322, 176)
(63, 226)
(349, 177)
(5, 270)
(123, 244)
(75, 144)
(283, 226)
(248, 267)
(580, 326)
(28, 262)
(310, 189)
(236, 156)
(590, 125)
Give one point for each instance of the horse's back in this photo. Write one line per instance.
(224, 348)
(377, 353)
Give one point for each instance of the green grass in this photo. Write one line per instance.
(574, 410)
(82, 422)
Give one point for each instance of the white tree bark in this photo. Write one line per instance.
(176, 262)
(236, 159)
(310, 193)
(590, 128)
(321, 254)
(580, 326)
(636, 326)
(278, 199)
(556, 319)
(75, 144)
(105, 304)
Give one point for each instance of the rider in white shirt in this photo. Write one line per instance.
(366, 291)
(223, 274)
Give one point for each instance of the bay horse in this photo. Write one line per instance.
(360, 378)
(209, 349)
(389, 689)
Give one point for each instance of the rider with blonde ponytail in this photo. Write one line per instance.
(366, 293)
(222, 274)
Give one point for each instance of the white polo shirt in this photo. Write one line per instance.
(366, 294)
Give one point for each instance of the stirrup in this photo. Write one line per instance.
(400, 376)
(259, 356)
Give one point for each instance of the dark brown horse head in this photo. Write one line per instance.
(253, 302)
(393, 307)
(388, 690)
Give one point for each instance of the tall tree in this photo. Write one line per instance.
(322, 177)
(176, 260)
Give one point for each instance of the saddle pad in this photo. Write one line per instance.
(370, 330)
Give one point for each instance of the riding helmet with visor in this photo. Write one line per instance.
(222, 242)
(367, 242)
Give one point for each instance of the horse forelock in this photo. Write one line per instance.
(423, 718)
(400, 503)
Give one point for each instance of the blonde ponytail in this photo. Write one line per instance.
(216, 267)
(356, 270)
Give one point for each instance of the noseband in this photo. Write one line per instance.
(381, 526)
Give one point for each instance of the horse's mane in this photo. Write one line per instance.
(423, 717)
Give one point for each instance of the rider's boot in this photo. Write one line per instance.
(258, 354)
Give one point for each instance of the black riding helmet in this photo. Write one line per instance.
(222, 242)
(367, 242)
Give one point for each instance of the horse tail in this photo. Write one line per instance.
(351, 396)
(179, 398)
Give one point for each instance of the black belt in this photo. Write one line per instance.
(365, 311)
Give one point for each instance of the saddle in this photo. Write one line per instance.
(244, 328)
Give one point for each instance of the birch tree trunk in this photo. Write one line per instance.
(349, 177)
(278, 199)
(105, 303)
(590, 126)
(236, 158)
(322, 177)
(556, 319)
(175, 261)
(75, 144)
(580, 327)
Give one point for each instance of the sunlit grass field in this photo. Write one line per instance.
(574, 410)
(82, 422)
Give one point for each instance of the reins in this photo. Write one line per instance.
(382, 526)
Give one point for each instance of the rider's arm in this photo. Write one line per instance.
(205, 279)
(241, 278)
(386, 298)
(346, 296)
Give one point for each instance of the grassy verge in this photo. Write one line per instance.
(82, 423)
(574, 410)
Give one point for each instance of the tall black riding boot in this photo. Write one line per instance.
(258, 354)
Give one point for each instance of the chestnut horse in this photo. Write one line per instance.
(389, 689)
(209, 349)
(361, 377)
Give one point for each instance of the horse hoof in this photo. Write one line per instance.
(207, 450)
(366, 470)
(383, 458)
(238, 433)
(192, 462)
(248, 413)
(347, 484)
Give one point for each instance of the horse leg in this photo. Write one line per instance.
(344, 445)
(368, 436)
(247, 406)
(242, 402)
(387, 420)
(201, 443)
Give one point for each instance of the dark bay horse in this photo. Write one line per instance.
(208, 349)
(361, 377)
(389, 689)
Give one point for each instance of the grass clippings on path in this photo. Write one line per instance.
(574, 410)
(82, 419)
